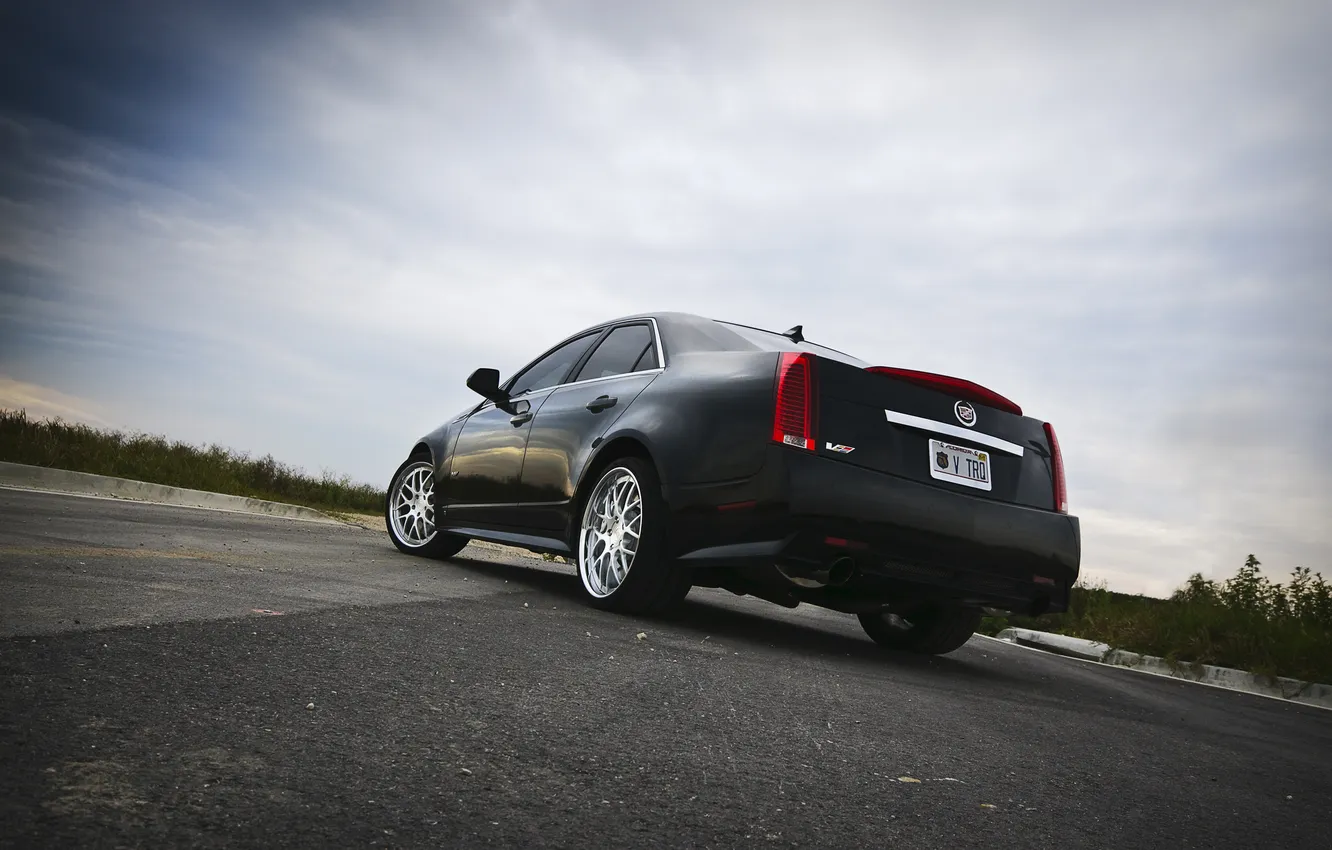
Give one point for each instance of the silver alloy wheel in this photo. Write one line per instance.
(609, 536)
(413, 511)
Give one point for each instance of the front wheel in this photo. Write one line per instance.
(409, 512)
(622, 560)
(929, 629)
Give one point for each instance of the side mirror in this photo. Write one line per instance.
(485, 382)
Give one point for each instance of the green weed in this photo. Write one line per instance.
(147, 457)
(1247, 622)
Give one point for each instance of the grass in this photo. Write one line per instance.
(146, 457)
(1247, 622)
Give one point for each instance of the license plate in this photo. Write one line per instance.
(960, 465)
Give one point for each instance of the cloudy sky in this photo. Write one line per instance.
(298, 231)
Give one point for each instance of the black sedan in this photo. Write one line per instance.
(669, 451)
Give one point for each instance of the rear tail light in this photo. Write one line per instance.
(793, 421)
(1057, 466)
(953, 386)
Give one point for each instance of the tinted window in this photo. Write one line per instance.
(551, 369)
(625, 350)
(647, 360)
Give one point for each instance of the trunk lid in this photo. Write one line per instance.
(887, 423)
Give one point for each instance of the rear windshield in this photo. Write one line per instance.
(762, 340)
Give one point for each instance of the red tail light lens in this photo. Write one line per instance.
(953, 386)
(793, 422)
(1057, 464)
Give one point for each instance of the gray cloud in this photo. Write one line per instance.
(1117, 216)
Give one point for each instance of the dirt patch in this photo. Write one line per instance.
(81, 788)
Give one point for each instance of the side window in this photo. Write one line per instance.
(648, 359)
(625, 349)
(551, 369)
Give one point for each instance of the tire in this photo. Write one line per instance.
(929, 630)
(409, 512)
(615, 573)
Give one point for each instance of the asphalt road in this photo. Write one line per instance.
(180, 677)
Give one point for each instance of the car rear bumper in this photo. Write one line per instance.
(906, 538)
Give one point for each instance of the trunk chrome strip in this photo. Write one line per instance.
(953, 431)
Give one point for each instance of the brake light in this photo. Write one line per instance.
(959, 387)
(793, 421)
(1057, 465)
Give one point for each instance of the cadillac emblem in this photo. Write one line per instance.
(966, 414)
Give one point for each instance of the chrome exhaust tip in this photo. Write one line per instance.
(841, 570)
(834, 573)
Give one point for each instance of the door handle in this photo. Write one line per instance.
(521, 419)
(600, 403)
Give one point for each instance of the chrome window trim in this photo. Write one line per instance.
(525, 396)
(924, 424)
(656, 371)
(661, 352)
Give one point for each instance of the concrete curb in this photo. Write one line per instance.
(27, 477)
(1280, 687)
(1088, 650)
(1276, 687)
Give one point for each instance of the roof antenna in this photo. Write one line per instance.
(795, 334)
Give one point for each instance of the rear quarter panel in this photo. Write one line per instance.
(707, 418)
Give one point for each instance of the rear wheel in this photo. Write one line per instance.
(929, 629)
(621, 546)
(409, 512)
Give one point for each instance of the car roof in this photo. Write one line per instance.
(678, 321)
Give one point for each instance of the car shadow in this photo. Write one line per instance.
(710, 619)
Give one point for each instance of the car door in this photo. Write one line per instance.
(621, 365)
(487, 459)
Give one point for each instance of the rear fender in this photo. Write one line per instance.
(707, 418)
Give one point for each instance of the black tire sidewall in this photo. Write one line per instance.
(936, 629)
